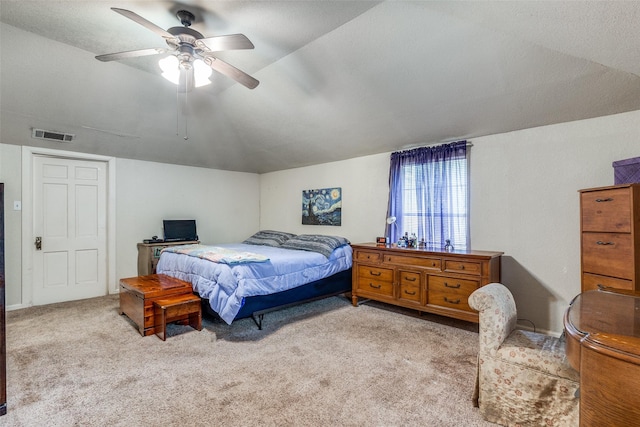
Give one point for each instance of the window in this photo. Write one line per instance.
(429, 195)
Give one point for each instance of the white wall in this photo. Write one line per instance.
(364, 183)
(224, 204)
(524, 202)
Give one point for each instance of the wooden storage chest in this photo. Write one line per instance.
(137, 295)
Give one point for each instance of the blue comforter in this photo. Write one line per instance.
(226, 286)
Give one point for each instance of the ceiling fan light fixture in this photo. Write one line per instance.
(170, 67)
(173, 70)
(201, 73)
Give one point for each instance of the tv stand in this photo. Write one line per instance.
(149, 255)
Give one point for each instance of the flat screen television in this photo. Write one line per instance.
(178, 230)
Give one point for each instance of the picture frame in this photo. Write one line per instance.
(322, 206)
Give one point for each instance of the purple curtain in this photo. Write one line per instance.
(428, 195)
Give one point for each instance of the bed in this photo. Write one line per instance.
(268, 271)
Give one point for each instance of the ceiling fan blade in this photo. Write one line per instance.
(228, 42)
(131, 54)
(145, 23)
(231, 71)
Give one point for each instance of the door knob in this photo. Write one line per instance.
(38, 243)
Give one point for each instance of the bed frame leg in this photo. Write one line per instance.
(258, 321)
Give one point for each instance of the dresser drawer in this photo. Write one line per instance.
(368, 256)
(451, 292)
(377, 273)
(608, 254)
(410, 286)
(594, 281)
(424, 262)
(452, 285)
(450, 300)
(374, 286)
(606, 210)
(463, 267)
(375, 280)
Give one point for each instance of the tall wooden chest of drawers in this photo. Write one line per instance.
(610, 237)
(424, 280)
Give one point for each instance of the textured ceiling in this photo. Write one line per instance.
(338, 79)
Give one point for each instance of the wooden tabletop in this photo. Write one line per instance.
(428, 250)
(611, 312)
(610, 317)
(155, 285)
(603, 344)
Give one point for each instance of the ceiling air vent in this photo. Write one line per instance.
(52, 136)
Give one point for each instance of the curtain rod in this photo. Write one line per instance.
(410, 147)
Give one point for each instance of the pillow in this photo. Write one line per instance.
(269, 238)
(315, 243)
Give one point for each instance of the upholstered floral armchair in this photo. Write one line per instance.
(524, 378)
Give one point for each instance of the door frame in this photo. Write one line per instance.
(28, 154)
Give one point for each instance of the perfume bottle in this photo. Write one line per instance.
(448, 247)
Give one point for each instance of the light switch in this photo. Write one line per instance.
(17, 205)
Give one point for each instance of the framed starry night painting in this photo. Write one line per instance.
(322, 206)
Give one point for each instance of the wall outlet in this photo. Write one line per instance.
(17, 205)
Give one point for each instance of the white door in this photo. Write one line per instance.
(69, 222)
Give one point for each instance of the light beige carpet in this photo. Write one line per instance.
(325, 363)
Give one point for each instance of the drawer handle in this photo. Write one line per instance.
(456, 286)
(604, 243)
(410, 279)
(409, 293)
(452, 301)
(608, 199)
(374, 286)
(374, 273)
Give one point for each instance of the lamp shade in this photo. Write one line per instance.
(177, 72)
(170, 67)
(201, 72)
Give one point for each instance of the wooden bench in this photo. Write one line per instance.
(174, 308)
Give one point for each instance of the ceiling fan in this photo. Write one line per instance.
(191, 54)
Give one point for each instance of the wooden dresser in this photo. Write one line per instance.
(149, 255)
(425, 280)
(610, 237)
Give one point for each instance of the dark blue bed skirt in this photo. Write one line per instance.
(332, 285)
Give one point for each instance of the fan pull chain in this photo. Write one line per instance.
(183, 105)
(177, 110)
(186, 98)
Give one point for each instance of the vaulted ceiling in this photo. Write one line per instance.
(338, 79)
